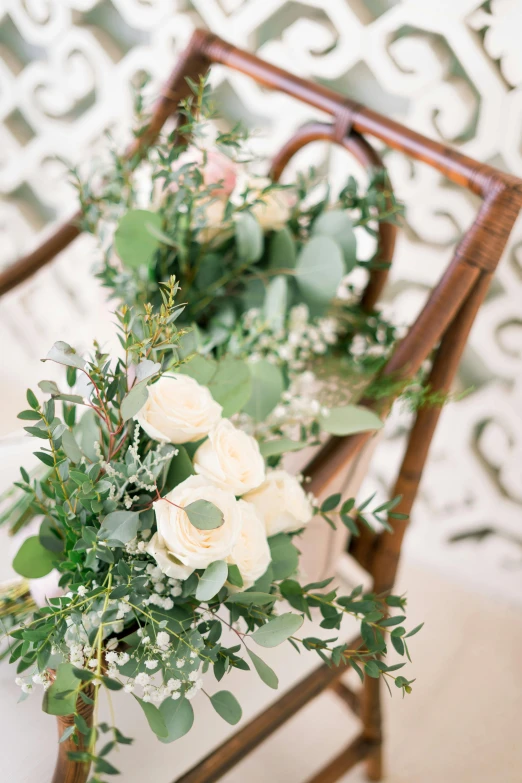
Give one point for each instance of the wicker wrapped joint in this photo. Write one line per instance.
(441, 330)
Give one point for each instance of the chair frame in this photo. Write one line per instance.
(441, 330)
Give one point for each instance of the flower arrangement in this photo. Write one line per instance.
(170, 531)
(269, 273)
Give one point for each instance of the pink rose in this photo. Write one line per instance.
(218, 168)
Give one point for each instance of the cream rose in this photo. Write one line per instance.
(274, 209)
(251, 554)
(178, 410)
(281, 503)
(177, 537)
(168, 563)
(230, 459)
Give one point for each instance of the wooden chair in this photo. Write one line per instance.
(440, 330)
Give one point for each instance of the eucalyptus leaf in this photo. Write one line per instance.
(134, 401)
(146, 369)
(212, 580)
(120, 526)
(204, 515)
(285, 556)
(267, 388)
(70, 446)
(251, 598)
(180, 468)
(33, 560)
(178, 717)
(227, 706)
(65, 683)
(249, 237)
(134, 241)
(267, 674)
(200, 368)
(154, 718)
(277, 630)
(231, 385)
(349, 419)
(63, 353)
(337, 224)
(276, 302)
(318, 272)
(272, 448)
(87, 434)
(282, 251)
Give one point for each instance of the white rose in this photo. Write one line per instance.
(251, 554)
(178, 410)
(230, 459)
(177, 536)
(169, 564)
(281, 503)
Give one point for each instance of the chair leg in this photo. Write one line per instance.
(372, 726)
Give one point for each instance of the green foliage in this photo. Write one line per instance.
(349, 419)
(178, 717)
(267, 387)
(204, 515)
(212, 580)
(318, 272)
(33, 560)
(277, 630)
(136, 238)
(227, 706)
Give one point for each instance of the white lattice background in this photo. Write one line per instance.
(451, 69)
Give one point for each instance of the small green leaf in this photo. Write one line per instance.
(331, 502)
(267, 674)
(29, 415)
(154, 718)
(71, 448)
(349, 419)
(285, 557)
(32, 399)
(120, 526)
(134, 401)
(180, 468)
(227, 706)
(245, 599)
(63, 353)
(204, 515)
(134, 241)
(277, 630)
(415, 630)
(249, 237)
(213, 579)
(234, 576)
(178, 717)
(273, 448)
(32, 559)
(69, 731)
(267, 388)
